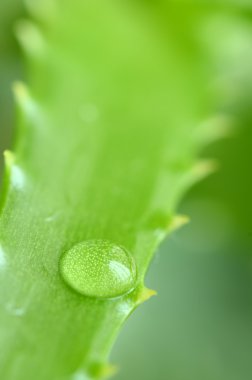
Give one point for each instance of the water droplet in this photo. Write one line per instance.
(99, 268)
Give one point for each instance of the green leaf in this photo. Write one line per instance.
(110, 128)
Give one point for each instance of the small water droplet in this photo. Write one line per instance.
(99, 268)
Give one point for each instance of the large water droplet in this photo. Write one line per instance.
(99, 268)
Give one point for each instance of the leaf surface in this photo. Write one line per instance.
(110, 128)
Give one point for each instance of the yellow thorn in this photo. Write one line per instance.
(215, 128)
(42, 8)
(20, 91)
(25, 100)
(107, 370)
(9, 158)
(144, 295)
(204, 167)
(178, 221)
(30, 37)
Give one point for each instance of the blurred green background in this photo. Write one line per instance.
(199, 327)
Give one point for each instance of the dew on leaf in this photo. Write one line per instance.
(99, 268)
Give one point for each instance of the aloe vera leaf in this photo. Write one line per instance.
(109, 131)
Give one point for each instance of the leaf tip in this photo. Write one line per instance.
(178, 221)
(203, 168)
(144, 295)
(20, 91)
(25, 101)
(215, 128)
(9, 158)
(42, 9)
(30, 37)
(107, 370)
